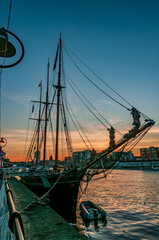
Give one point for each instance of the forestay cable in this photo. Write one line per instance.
(95, 84)
(97, 76)
(144, 116)
(87, 106)
(68, 78)
(67, 105)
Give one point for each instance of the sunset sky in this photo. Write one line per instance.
(117, 39)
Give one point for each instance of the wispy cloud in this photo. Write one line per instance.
(18, 98)
(97, 135)
(155, 130)
(16, 145)
(15, 133)
(103, 102)
(115, 121)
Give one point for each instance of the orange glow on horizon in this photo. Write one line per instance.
(16, 147)
(17, 157)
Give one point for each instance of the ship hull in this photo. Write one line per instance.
(63, 196)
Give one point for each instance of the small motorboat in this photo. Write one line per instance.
(91, 211)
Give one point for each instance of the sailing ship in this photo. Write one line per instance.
(61, 185)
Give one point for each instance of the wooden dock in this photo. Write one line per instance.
(40, 222)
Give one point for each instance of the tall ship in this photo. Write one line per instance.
(60, 185)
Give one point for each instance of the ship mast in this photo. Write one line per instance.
(58, 105)
(46, 113)
(39, 120)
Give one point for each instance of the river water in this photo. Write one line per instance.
(131, 200)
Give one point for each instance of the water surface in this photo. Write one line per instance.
(131, 200)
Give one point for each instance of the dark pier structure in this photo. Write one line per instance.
(38, 222)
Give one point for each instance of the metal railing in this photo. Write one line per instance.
(15, 219)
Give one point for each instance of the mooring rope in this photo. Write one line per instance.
(43, 200)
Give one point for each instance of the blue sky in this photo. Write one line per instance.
(118, 39)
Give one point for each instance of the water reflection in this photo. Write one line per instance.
(96, 224)
(131, 200)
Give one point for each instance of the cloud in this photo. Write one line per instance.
(103, 102)
(115, 121)
(15, 133)
(154, 130)
(16, 144)
(20, 99)
(96, 133)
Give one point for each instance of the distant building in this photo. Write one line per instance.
(151, 153)
(7, 162)
(79, 157)
(126, 156)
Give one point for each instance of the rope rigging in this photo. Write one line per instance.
(77, 129)
(34, 136)
(87, 106)
(68, 139)
(65, 45)
(9, 14)
(97, 75)
(69, 79)
(68, 105)
(63, 105)
(90, 173)
(67, 135)
(138, 139)
(95, 84)
(51, 125)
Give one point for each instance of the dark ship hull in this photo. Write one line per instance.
(63, 196)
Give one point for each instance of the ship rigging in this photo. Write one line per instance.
(53, 113)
